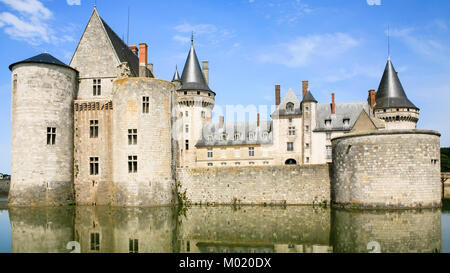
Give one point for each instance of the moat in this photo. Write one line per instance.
(244, 229)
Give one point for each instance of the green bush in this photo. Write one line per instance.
(445, 159)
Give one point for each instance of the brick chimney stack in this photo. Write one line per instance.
(221, 121)
(305, 87)
(259, 120)
(333, 104)
(143, 57)
(371, 100)
(135, 50)
(206, 71)
(277, 94)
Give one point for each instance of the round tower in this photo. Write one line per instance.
(392, 104)
(43, 91)
(195, 102)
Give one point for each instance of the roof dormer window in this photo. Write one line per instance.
(346, 122)
(237, 136)
(252, 136)
(290, 107)
(328, 122)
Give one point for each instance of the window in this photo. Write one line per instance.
(187, 145)
(290, 120)
(210, 138)
(210, 153)
(185, 92)
(97, 87)
(265, 135)
(251, 163)
(132, 164)
(210, 165)
(307, 145)
(329, 152)
(290, 146)
(15, 82)
(251, 151)
(346, 122)
(198, 92)
(328, 136)
(145, 105)
(93, 129)
(290, 107)
(224, 136)
(328, 122)
(134, 245)
(186, 128)
(95, 241)
(307, 160)
(252, 136)
(292, 131)
(237, 136)
(51, 136)
(307, 128)
(306, 109)
(203, 114)
(93, 165)
(266, 162)
(223, 164)
(237, 163)
(186, 114)
(132, 136)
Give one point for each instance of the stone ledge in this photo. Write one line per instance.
(388, 132)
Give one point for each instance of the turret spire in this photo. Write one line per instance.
(176, 76)
(193, 78)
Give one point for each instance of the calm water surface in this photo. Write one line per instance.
(222, 229)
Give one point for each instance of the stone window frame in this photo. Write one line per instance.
(203, 114)
(237, 136)
(132, 164)
(14, 82)
(307, 160)
(93, 128)
(237, 163)
(94, 166)
(251, 151)
(210, 153)
(291, 131)
(132, 136)
(307, 146)
(51, 136)
(96, 87)
(346, 121)
(290, 146)
(145, 104)
(223, 164)
(306, 128)
(186, 142)
(252, 136)
(210, 165)
(328, 122)
(186, 128)
(306, 109)
(328, 135)
(186, 114)
(133, 245)
(95, 241)
(251, 163)
(329, 152)
(290, 107)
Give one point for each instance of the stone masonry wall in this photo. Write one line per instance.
(387, 169)
(4, 187)
(256, 185)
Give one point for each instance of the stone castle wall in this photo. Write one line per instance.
(4, 187)
(42, 97)
(387, 169)
(256, 185)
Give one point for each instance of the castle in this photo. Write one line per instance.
(104, 130)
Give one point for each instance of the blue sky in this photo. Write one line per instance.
(338, 45)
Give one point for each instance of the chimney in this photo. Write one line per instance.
(134, 49)
(333, 104)
(221, 121)
(277, 94)
(371, 100)
(305, 87)
(143, 57)
(150, 67)
(206, 71)
(259, 121)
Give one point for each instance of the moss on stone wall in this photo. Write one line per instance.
(445, 159)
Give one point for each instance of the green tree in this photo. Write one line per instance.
(445, 159)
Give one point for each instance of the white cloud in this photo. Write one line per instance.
(28, 21)
(73, 2)
(301, 50)
(181, 39)
(419, 44)
(209, 32)
(374, 2)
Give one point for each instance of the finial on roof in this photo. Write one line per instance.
(95, 4)
(389, 44)
(192, 38)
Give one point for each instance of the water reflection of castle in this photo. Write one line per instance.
(223, 229)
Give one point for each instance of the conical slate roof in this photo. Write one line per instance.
(192, 78)
(176, 77)
(309, 98)
(43, 58)
(390, 92)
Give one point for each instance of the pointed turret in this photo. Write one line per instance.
(390, 92)
(309, 97)
(176, 76)
(192, 78)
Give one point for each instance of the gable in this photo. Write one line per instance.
(95, 55)
(364, 123)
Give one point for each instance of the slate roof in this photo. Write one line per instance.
(176, 76)
(309, 97)
(44, 58)
(390, 92)
(350, 111)
(213, 134)
(192, 78)
(282, 110)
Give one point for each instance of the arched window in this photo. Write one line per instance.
(290, 107)
(291, 162)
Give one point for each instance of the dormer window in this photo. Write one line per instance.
(346, 122)
(290, 107)
(328, 122)
(237, 136)
(265, 135)
(224, 136)
(210, 138)
(251, 136)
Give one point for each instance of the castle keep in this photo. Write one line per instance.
(104, 130)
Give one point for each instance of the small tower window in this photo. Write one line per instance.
(203, 114)
(51, 136)
(186, 128)
(14, 82)
(307, 109)
(187, 145)
(93, 165)
(93, 129)
(97, 87)
(133, 246)
(132, 137)
(145, 105)
(307, 145)
(132, 164)
(186, 114)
